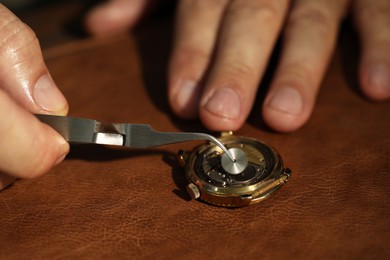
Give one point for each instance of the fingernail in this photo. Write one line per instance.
(287, 100)
(380, 79)
(185, 93)
(48, 96)
(224, 103)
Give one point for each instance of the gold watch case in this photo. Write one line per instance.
(209, 182)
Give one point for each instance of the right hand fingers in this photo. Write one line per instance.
(373, 23)
(28, 147)
(220, 53)
(309, 39)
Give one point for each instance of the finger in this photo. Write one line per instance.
(197, 25)
(23, 73)
(308, 42)
(372, 19)
(114, 16)
(248, 34)
(28, 147)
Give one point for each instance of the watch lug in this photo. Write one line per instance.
(182, 157)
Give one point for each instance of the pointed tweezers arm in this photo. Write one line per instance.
(81, 130)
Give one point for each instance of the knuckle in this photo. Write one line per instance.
(373, 11)
(16, 37)
(240, 71)
(265, 10)
(313, 16)
(204, 5)
(298, 73)
(191, 55)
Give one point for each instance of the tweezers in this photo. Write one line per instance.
(83, 130)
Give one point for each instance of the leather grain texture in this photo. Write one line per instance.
(110, 203)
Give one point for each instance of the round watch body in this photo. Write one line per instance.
(208, 181)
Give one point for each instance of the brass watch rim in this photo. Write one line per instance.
(237, 196)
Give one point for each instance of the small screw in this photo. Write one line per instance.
(226, 133)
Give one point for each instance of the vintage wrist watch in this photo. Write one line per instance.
(210, 181)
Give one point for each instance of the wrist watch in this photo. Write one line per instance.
(211, 181)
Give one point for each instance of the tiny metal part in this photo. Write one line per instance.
(109, 139)
(254, 175)
(238, 165)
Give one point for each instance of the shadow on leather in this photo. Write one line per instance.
(92, 152)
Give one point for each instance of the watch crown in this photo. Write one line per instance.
(193, 191)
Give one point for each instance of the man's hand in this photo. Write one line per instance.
(222, 48)
(28, 147)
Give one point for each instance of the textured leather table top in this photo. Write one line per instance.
(105, 202)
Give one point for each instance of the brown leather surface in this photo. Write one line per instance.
(105, 203)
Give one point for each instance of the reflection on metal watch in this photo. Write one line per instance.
(210, 181)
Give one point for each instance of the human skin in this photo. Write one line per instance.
(221, 49)
(28, 147)
(220, 52)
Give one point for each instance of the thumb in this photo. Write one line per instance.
(23, 73)
(28, 147)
